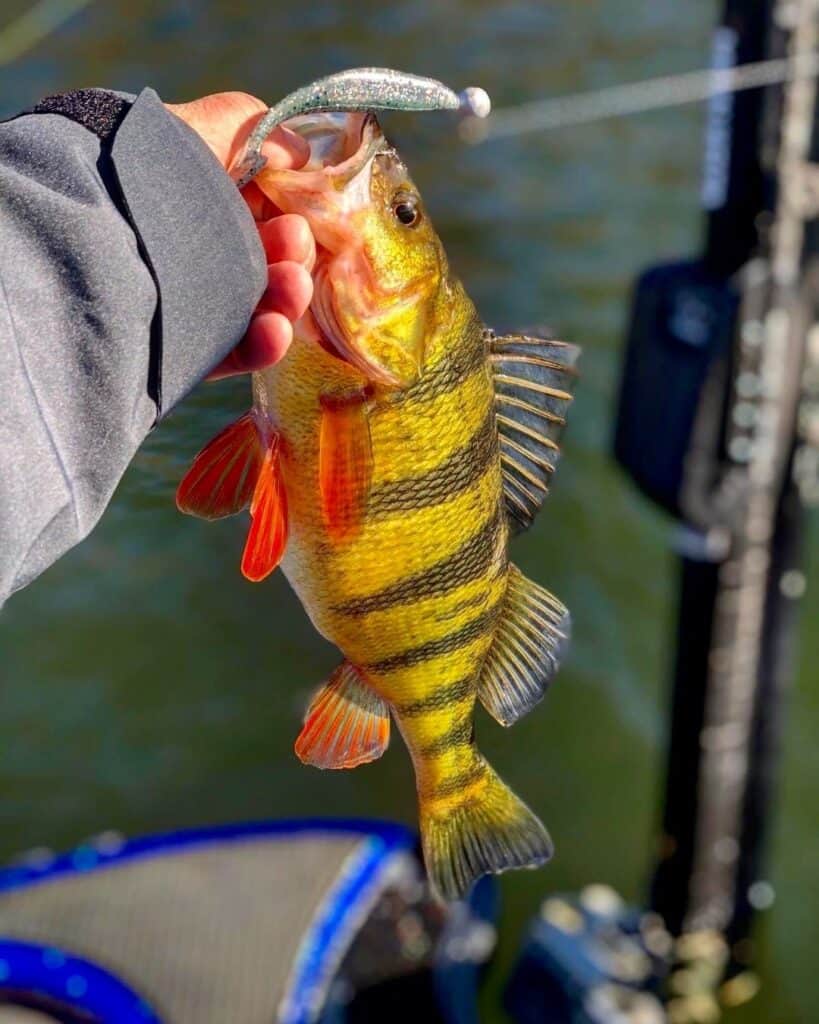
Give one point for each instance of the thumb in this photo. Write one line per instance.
(225, 120)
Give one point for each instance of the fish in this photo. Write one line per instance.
(386, 462)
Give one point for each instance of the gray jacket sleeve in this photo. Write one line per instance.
(127, 271)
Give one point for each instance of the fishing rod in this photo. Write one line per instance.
(718, 423)
(736, 463)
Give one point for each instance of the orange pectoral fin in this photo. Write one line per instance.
(345, 464)
(267, 538)
(223, 475)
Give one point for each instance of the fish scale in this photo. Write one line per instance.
(400, 464)
(445, 518)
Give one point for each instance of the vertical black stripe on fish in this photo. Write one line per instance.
(462, 637)
(451, 372)
(457, 473)
(455, 783)
(467, 563)
(460, 734)
(439, 700)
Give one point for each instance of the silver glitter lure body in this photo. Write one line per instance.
(358, 89)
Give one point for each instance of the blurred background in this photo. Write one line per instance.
(146, 686)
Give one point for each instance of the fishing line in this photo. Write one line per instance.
(31, 27)
(636, 97)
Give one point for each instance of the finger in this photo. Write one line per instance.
(289, 289)
(262, 208)
(225, 120)
(267, 340)
(285, 149)
(288, 237)
(282, 149)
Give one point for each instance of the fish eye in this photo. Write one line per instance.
(406, 210)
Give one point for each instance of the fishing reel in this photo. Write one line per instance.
(590, 959)
(682, 441)
(682, 325)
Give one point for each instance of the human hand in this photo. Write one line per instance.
(224, 121)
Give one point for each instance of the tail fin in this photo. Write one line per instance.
(490, 832)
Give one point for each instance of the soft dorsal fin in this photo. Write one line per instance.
(347, 723)
(532, 634)
(533, 382)
(223, 475)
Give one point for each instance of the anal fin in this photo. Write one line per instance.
(347, 723)
(223, 475)
(531, 637)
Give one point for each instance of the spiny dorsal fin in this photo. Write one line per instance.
(346, 724)
(531, 637)
(533, 381)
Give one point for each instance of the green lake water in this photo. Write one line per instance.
(146, 686)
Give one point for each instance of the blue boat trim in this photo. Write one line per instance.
(343, 911)
(78, 984)
(87, 857)
(57, 977)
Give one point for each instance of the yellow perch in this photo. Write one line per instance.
(386, 461)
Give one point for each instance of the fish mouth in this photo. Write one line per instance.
(351, 314)
(341, 148)
(333, 191)
(340, 144)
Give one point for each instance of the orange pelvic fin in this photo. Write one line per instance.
(345, 463)
(346, 724)
(223, 475)
(267, 538)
